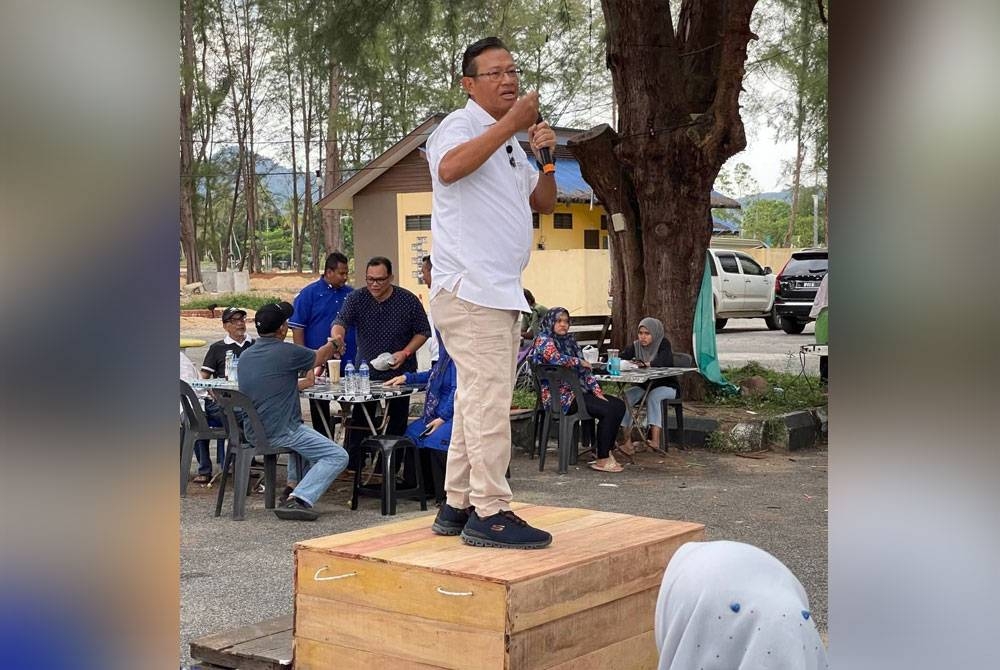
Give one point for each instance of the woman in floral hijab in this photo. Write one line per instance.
(555, 346)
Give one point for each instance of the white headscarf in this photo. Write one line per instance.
(731, 606)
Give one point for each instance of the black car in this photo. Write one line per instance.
(795, 288)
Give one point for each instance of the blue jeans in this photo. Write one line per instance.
(654, 413)
(215, 419)
(327, 460)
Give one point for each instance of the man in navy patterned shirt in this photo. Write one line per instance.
(388, 319)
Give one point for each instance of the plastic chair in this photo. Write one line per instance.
(681, 360)
(554, 375)
(387, 446)
(194, 427)
(240, 453)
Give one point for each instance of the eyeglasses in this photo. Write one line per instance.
(497, 75)
(236, 319)
(377, 280)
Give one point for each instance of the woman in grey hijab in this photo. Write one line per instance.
(731, 606)
(652, 350)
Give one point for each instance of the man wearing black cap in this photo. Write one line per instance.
(269, 375)
(236, 340)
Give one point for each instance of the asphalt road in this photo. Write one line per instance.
(239, 573)
(745, 340)
(236, 573)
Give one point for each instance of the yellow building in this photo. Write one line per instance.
(390, 199)
(391, 203)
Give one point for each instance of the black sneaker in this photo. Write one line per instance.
(295, 510)
(450, 520)
(505, 530)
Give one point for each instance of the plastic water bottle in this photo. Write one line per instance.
(364, 383)
(235, 370)
(229, 364)
(350, 379)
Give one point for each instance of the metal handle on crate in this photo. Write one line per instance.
(453, 593)
(317, 578)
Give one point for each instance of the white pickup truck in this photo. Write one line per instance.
(741, 288)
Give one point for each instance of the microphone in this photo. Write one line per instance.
(548, 165)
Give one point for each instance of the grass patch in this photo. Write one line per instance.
(796, 391)
(523, 399)
(721, 442)
(252, 301)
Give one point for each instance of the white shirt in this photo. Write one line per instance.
(481, 223)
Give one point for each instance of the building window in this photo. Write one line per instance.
(418, 222)
(604, 221)
(534, 221)
(591, 239)
(562, 221)
(604, 241)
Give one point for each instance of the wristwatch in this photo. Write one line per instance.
(336, 345)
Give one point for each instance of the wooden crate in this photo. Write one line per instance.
(398, 596)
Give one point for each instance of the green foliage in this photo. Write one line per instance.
(721, 442)
(798, 391)
(523, 398)
(252, 301)
(792, 53)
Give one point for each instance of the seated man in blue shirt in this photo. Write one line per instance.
(316, 306)
(269, 375)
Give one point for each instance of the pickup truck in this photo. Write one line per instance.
(741, 288)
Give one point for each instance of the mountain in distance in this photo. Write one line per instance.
(784, 196)
(277, 178)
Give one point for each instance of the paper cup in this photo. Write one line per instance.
(333, 368)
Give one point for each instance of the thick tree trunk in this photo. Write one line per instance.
(678, 103)
(189, 240)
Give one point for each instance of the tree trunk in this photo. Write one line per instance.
(296, 245)
(189, 243)
(250, 260)
(332, 234)
(801, 73)
(307, 223)
(678, 103)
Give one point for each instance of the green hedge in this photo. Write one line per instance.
(252, 301)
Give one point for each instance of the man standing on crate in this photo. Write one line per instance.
(484, 190)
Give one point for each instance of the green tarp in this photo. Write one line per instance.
(704, 334)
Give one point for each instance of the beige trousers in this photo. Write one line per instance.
(483, 343)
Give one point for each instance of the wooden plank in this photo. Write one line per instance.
(410, 638)
(582, 633)
(342, 540)
(313, 655)
(402, 589)
(574, 548)
(273, 648)
(634, 653)
(609, 577)
(228, 638)
(445, 555)
(263, 646)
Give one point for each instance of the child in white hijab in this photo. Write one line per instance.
(731, 606)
